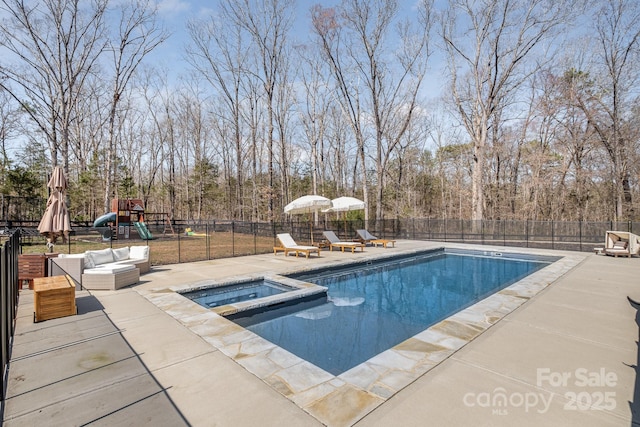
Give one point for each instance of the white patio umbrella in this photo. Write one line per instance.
(55, 221)
(345, 204)
(307, 204)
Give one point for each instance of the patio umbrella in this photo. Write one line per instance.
(307, 204)
(345, 204)
(55, 221)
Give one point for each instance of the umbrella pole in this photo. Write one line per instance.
(345, 224)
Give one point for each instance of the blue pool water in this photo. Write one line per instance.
(229, 294)
(375, 307)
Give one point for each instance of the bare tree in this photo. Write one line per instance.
(54, 46)
(137, 35)
(314, 111)
(610, 94)
(371, 82)
(8, 125)
(327, 26)
(268, 22)
(576, 139)
(219, 53)
(487, 43)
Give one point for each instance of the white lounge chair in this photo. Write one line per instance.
(290, 245)
(621, 243)
(335, 241)
(365, 237)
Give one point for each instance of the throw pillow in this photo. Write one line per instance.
(103, 256)
(121, 254)
(139, 252)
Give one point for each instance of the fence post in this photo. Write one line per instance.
(206, 240)
(429, 229)
(254, 227)
(4, 316)
(580, 231)
(504, 232)
(9, 289)
(233, 239)
(553, 240)
(178, 248)
(527, 231)
(445, 229)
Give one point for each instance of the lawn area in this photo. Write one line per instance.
(165, 249)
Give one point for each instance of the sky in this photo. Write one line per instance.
(174, 14)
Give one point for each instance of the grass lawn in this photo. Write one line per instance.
(165, 249)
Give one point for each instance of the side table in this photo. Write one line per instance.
(53, 297)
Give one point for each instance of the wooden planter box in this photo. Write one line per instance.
(53, 297)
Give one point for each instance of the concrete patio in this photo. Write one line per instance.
(124, 361)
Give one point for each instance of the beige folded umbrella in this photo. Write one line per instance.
(55, 222)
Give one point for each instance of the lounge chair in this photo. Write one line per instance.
(290, 245)
(619, 248)
(621, 243)
(335, 241)
(365, 237)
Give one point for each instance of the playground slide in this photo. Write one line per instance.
(143, 231)
(102, 221)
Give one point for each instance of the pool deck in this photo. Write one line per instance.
(131, 358)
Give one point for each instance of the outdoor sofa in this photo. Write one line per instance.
(105, 269)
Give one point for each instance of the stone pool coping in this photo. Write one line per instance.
(371, 383)
(300, 290)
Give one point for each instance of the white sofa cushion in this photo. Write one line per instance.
(139, 252)
(121, 254)
(96, 258)
(110, 269)
(71, 255)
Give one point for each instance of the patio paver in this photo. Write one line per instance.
(124, 361)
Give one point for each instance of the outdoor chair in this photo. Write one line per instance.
(290, 245)
(621, 243)
(335, 241)
(365, 237)
(619, 248)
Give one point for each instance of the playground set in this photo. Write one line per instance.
(125, 221)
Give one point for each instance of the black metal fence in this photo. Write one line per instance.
(8, 300)
(561, 235)
(246, 238)
(189, 241)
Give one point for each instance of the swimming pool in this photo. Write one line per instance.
(371, 308)
(377, 379)
(234, 293)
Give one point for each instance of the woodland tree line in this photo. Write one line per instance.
(535, 113)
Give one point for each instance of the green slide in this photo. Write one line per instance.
(142, 230)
